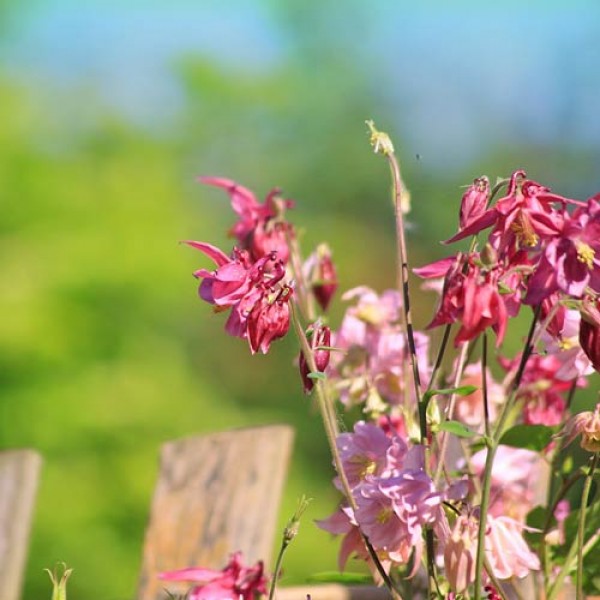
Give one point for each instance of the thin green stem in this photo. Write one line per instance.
(277, 570)
(484, 386)
(330, 424)
(491, 453)
(581, 527)
(444, 436)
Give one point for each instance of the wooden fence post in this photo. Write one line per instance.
(19, 474)
(215, 494)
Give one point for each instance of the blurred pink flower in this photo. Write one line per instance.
(506, 551)
(460, 553)
(233, 582)
(469, 408)
(515, 475)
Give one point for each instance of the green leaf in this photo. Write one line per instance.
(336, 577)
(531, 437)
(463, 390)
(317, 375)
(456, 428)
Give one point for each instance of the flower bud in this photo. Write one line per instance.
(474, 201)
(589, 335)
(323, 276)
(320, 339)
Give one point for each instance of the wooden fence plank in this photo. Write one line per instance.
(19, 475)
(215, 494)
(332, 591)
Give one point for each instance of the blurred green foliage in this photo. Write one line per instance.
(105, 350)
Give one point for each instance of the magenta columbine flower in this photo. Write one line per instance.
(261, 228)
(234, 582)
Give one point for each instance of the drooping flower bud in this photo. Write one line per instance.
(474, 201)
(320, 339)
(460, 553)
(321, 275)
(589, 334)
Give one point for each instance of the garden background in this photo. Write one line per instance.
(109, 111)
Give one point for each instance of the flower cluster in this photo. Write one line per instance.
(416, 501)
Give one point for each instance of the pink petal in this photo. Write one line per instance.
(211, 251)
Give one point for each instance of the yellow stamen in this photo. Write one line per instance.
(384, 515)
(522, 228)
(585, 254)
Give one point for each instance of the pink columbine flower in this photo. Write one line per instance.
(470, 295)
(542, 391)
(571, 260)
(234, 582)
(586, 424)
(369, 451)
(506, 551)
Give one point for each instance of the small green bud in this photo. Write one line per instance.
(59, 582)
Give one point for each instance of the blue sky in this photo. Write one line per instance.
(462, 71)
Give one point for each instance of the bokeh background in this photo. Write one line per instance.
(108, 112)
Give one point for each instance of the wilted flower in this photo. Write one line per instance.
(586, 424)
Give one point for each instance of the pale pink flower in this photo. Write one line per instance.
(506, 551)
(562, 341)
(233, 582)
(460, 553)
(515, 474)
(369, 451)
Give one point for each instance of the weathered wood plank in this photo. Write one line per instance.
(19, 475)
(332, 591)
(215, 494)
